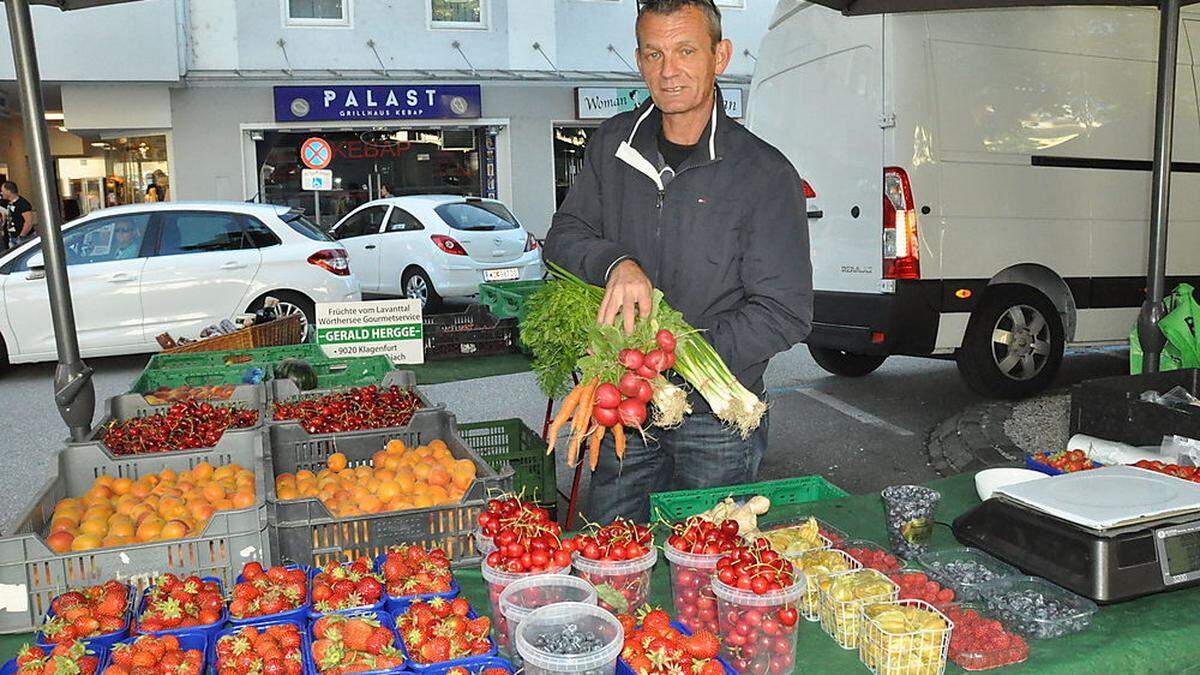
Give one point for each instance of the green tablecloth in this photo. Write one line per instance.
(468, 368)
(1152, 635)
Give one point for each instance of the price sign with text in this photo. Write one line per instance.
(392, 328)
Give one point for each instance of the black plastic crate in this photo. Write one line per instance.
(474, 332)
(1111, 408)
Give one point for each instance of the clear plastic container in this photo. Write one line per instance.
(622, 586)
(1035, 608)
(857, 547)
(771, 645)
(967, 648)
(964, 570)
(795, 548)
(497, 581)
(841, 614)
(890, 647)
(522, 597)
(816, 565)
(556, 618)
(909, 510)
(691, 593)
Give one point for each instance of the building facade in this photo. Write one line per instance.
(215, 99)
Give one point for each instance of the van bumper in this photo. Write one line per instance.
(853, 322)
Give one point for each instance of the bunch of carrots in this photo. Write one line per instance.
(594, 407)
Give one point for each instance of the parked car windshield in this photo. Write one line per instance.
(477, 216)
(304, 226)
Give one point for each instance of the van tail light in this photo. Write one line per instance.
(809, 192)
(333, 260)
(531, 243)
(901, 246)
(448, 244)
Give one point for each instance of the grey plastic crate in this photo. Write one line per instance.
(305, 532)
(31, 575)
(127, 406)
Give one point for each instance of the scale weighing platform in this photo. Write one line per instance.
(1110, 534)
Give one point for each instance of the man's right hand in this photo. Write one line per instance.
(628, 293)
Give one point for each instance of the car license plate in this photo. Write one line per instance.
(505, 274)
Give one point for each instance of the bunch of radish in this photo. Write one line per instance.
(594, 408)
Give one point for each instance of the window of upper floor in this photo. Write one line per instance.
(458, 14)
(317, 12)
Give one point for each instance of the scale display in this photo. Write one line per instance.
(1179, 553)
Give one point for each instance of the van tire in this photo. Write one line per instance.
(846, 364)
(1000, 370)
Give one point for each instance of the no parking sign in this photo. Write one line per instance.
(316, 153)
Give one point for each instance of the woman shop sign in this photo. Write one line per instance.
(381, 102)
(601, 103)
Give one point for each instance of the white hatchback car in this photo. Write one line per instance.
(174, 267)
(429, 247)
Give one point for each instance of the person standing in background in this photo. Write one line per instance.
(20, 214)
(385, 191)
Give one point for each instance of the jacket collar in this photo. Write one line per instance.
(640, 149)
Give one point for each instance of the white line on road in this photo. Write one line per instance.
(850, 411)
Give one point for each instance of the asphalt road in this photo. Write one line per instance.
(862, 434)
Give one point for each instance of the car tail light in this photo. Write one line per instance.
(531, 243)
(901, 247)
(333, 260)
(448, 244)
(809, 192)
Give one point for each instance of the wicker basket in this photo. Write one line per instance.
(277, 333)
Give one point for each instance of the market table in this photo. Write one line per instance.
(1156, 634)
(468, 368)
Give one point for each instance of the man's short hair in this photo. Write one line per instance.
(708, 7)
(10, 186)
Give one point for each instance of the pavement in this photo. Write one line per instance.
(862, 434)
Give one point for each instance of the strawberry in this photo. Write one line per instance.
(711, 667)
(436, 650)
(460, 606)
(381, 640)
(494, 671)
(479, 627)
(701, 645)
(655, 621)
(356, 633)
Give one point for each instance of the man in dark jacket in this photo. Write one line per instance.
(677, 196)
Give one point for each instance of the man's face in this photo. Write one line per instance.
(677, 58)
(7, 194)
(125, 233)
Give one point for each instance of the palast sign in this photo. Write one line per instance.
(377, 102)
(601, 103)
(393, 328)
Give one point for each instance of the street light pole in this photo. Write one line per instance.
(1149, 334)
(74, 392)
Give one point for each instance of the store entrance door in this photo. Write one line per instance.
(569, 145)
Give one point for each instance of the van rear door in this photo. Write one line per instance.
(816, 95)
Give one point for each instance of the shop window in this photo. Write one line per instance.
(194, 232)
(403, 221)
(317, 12)
(458, 13)
(366, 221)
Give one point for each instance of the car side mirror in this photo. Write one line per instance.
(37, 267)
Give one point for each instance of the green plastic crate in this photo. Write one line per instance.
(513, 442)
(676, 506)
(506, 299)
(257, 357)
(152, 379)
(353, 372)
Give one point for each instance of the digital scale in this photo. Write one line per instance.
(1110, 534)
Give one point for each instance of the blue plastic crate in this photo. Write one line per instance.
(207, 631)
(313, 615)
(187, 643)
(9, 667)
(305, 640)
(104, 641)
(468, 663)
(299, 614)
(397, 604)
(473, 669)
(1031, 463)
(624, 669)
(386, 620)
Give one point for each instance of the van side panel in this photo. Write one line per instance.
(816, 97)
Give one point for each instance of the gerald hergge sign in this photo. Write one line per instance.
(393, 328)
(377, 102)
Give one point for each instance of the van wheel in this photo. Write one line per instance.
(1014, 343)
(846, 364)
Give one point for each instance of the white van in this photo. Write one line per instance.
(981, 179)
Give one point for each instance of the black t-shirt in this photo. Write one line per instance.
(673, 153)
(16, 213)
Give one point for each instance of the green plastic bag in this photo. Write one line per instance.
(1179, 326)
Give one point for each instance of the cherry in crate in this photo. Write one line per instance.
(267, 650)
(173, 603)
(94, 611)
(266, 592)
(71, 657)
(346, 586)
(151, 654)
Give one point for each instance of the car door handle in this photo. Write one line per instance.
(369, 246)
(233, 265)
(816, 215)
(122, 278)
